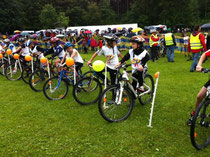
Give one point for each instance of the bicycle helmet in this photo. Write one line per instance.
(54, 40)
(68, 44)
(6, 40)
(28, 43)
(21, 40)
(137, 39)
(111, 37)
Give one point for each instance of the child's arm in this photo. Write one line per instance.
(92, 58)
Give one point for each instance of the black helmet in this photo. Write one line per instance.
(137, 39)
(111, 37)
(21, 40)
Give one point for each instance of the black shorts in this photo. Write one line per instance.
(207, 84)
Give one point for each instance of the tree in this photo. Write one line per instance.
(92, 15)
(63, 20)
(108, 15)
(48, 16)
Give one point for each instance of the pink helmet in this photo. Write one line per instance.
(54, 40)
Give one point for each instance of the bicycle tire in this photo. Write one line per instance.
(82, 90)
(38, 78)
(13, 76)
(113, 107)
(145, 99)
(27, 71)
(201, 119)
(59, 91)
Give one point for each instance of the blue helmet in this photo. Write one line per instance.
(68, 44)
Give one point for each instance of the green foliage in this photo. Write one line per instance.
(92, 15)
(48, 16)
(21, 14)
(63, 20)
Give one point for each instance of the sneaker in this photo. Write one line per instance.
(189, 122)
(14, 71)
(140, 89)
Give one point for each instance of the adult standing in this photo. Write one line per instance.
(170, 45)
(154, 41)
(196, 45)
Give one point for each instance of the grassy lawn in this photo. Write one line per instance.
(31, 125)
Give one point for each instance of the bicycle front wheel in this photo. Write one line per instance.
(200, 128)
(87, 90)
(13, 72)
(149, 88)
(114, 105)
(55, 88)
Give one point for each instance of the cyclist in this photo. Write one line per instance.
(202, 92)
(24, 50)
(139, 57)
(56, 50)
(111, 52)
(36, 50)
(9, 45)
(73, 53)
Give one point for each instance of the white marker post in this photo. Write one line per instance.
(157, 74)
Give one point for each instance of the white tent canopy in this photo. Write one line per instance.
(102, 27)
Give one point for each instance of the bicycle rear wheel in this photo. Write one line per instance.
(87, 90)
(38, 78)
(108, 105)
(13, 72)
(148, 86)
(27, 71)
(200, 128)
(55, 88)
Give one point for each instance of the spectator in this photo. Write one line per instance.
(196, 45)
(154, 41)
(186, 40)
(170, 44)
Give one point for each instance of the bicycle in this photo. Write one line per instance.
(90, 84)
(57, 87)
(30, 68)
(13, 69)
(117, 101)
(199, 130)
(38, 78)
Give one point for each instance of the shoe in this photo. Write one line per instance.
(189, 122)
(140, 89)
(191, 70)
(172, 61)
(14, 71)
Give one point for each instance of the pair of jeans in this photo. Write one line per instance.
(170, 53)
(154, 53)
(195, 57)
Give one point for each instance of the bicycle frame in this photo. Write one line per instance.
(126, 77)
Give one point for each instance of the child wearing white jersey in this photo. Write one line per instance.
(139, 57)
(73, 53)
(111, 52)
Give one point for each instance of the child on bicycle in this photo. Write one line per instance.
(139, 57)
(73, 53)
(202, 92)
(111, 52)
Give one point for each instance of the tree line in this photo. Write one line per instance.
(45, 14)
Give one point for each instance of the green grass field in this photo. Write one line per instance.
(31, 125)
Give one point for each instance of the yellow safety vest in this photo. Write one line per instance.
(151, 42)
(195, 43)
(169, 39)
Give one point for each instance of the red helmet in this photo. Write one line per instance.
(54, 40)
